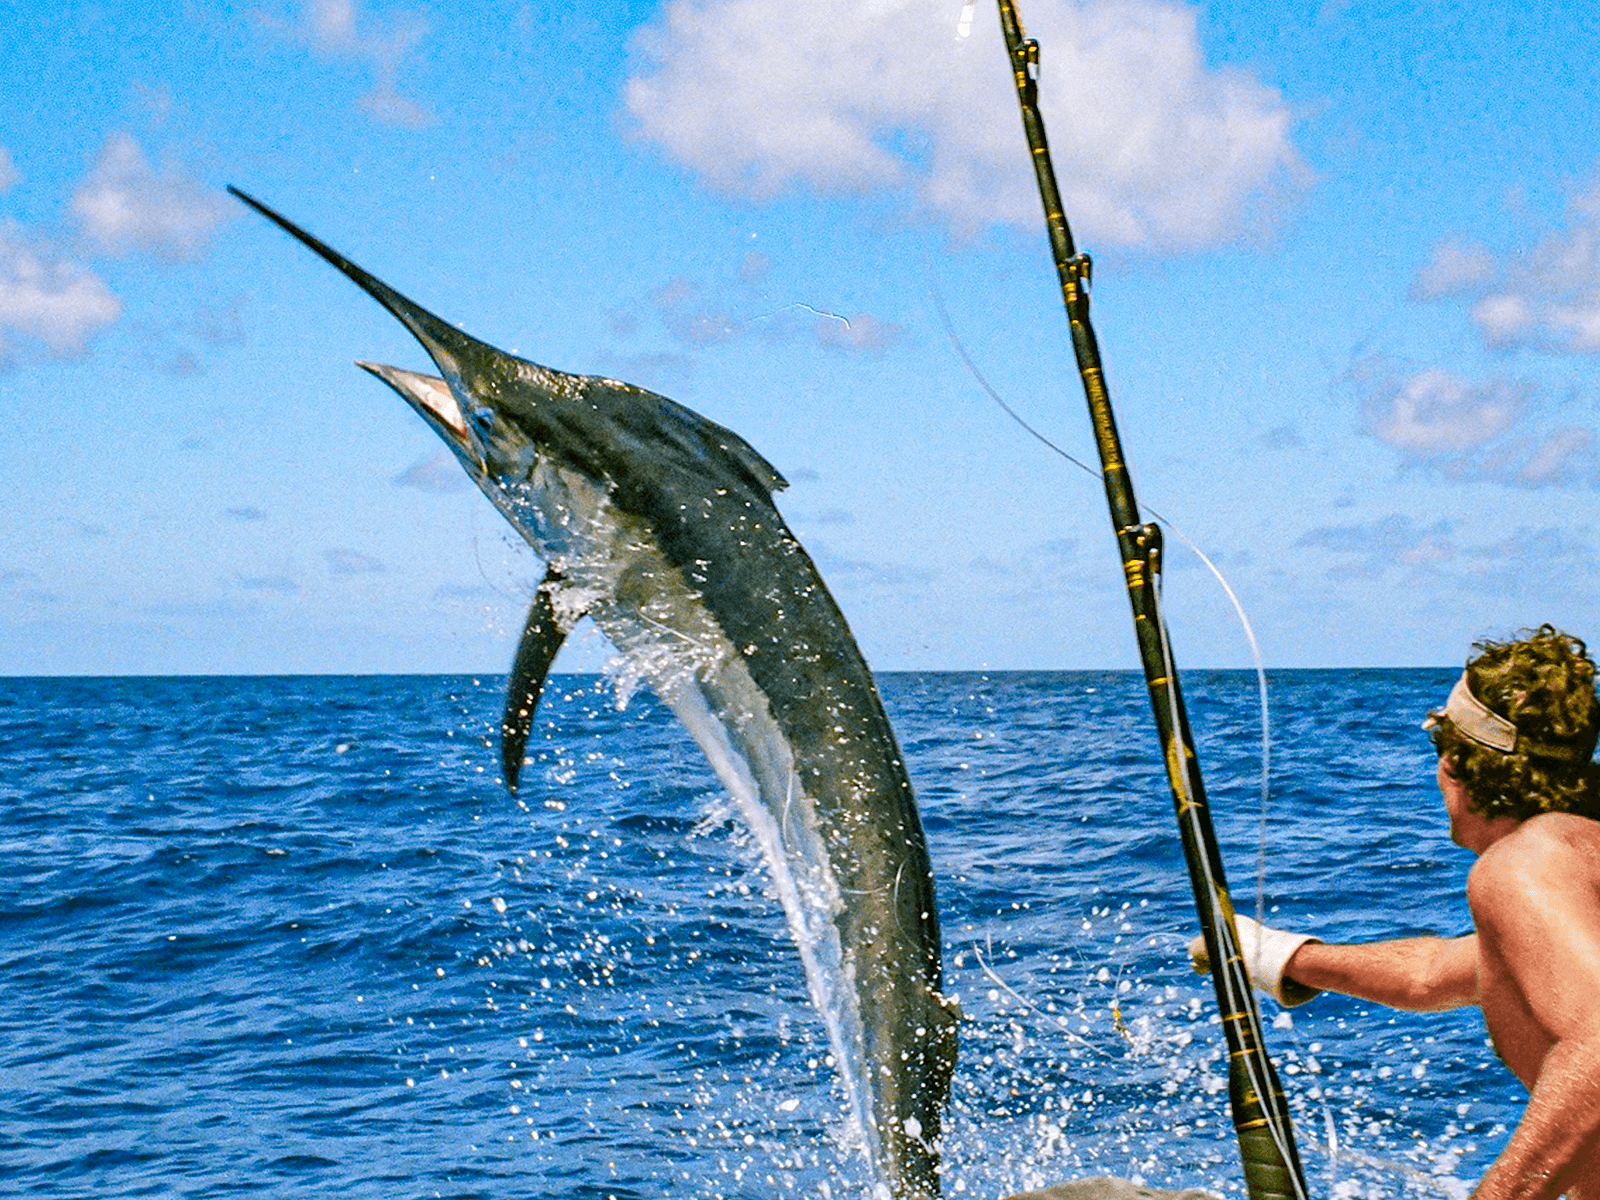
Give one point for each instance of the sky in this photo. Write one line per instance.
(1347, 289)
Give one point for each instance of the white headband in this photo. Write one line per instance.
(1475, 722)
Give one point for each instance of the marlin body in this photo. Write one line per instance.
(660, 525)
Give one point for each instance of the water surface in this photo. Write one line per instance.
(291, 935)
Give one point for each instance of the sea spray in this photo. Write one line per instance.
(785, 828)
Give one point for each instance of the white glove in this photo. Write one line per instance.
(1266, 952)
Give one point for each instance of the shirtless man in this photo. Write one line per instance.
(1515, 741)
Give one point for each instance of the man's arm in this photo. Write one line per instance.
(1425, 974)
(1556, 1139)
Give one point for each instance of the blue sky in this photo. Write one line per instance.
(1347, 287)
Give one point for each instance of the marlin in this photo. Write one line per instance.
(660, 526)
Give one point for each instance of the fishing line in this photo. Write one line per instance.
(1268, 1096)
(1031, 1007)
(1260, 1109)
(822, 313)
(1274, 1103)
(1233, 598)
(1329, 1125)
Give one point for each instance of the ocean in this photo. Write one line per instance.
(291, 936)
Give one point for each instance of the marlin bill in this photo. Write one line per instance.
(660, 526)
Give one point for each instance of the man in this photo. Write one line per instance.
(1515, 741)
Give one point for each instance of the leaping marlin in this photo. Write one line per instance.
(660, 525)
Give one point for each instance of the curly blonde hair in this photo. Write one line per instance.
(1543, 682)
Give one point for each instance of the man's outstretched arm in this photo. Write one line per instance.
(1425, 974)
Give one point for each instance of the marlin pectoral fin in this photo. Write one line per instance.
(944, 1044)
(542, 637)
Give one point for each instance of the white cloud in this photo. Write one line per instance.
(1154, 147)
(1455, 267)
(438, 473)
(1551, 458)
(1563, 456)
(388, 107)
(700, 315)
(1546, 297)
(863, 332)
(1434, 412)
(1470, 430)
(1395, 547)
(47, 299)
(1384, 545)
(338, 29)
(125, 204)
(1504, 320)
(691, 317)
(9, 176)
(52, 295)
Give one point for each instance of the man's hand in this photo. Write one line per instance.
(1266, 952)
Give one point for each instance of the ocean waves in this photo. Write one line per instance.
(291, 935)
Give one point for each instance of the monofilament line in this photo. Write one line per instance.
(1216, 572)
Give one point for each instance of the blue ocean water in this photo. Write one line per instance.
(290, 935)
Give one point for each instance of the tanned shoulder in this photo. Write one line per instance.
(1535, 898)
(1548, 855)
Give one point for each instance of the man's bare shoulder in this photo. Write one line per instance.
(1535, 897)
(1545, 837)
(1546, 856)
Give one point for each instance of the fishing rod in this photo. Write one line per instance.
(1261, 1119)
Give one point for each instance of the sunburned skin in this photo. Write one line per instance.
(1533, 967)
(1535, 897)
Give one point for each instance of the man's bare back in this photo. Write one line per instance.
(1535, 897)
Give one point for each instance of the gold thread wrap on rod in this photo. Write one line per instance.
(1261, 1120)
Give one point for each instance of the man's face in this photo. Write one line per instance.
(1469, 829)
(1455, 803)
